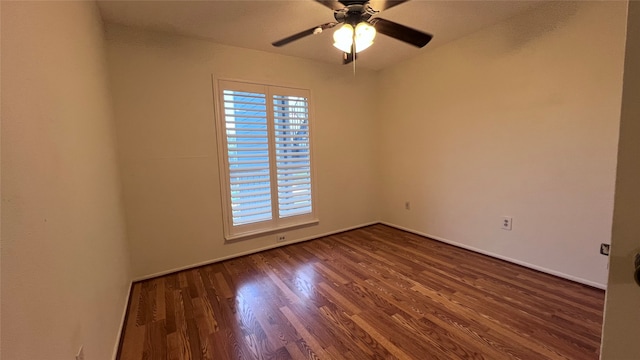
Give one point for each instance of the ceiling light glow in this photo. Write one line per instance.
(364, 35)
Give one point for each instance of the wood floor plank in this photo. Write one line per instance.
(348, 333)
(344, 303)
(329, 274)
(370, 293)
(155, 342)
(518, 336)
(383, 340)
(441, 340)
(314, 349)
(133, 343)
(182, 343)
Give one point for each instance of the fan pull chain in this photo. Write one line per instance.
(353, 53)
(354, 64)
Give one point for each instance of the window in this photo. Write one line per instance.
(265, 147)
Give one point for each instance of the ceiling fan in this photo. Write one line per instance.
(359, 27)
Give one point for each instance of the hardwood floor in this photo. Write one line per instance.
(371, 293)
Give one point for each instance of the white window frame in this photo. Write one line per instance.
(275, 224)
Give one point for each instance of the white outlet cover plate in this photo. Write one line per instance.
(507, 222)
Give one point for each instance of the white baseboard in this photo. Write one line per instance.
(501, 257)
(446, 241)
(252, 251)
(122, 324)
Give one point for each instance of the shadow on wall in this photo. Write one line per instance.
(529, 28)
(160, 37)
(518, 33)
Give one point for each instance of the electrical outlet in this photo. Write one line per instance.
(407, 205)
(281, 238)
(604, 249)
(80, 354)
(506, 222)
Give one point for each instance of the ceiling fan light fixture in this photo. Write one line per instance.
(343, 38)
(354, 27)
(365, 33)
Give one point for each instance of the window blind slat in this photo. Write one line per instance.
(292, 177)
(286, 196)
(253, 199)
(288, 184)
(235, 121)
(281, 141)
(233, 130)
(297, 170)
(296, 206)
(242, 156)
(246, 133)
(283, 156)
(296, 113)
(249, 194)
(250, 181)
(251, 208)
(294, 200)
(241, 175)
(240, 163)
(297, 166)
(293, 162)
(247, 188)
(243, 149)
(246, 100)
(241, 171)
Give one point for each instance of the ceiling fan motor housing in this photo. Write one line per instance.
(354, 14)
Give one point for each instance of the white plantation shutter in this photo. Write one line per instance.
(293, 162)
(248, 156)
(264, 132)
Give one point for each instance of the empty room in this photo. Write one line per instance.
(320, 179)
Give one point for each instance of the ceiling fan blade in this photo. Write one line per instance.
(385, 4)
(314, 30)
(331, 4)
(401, 32)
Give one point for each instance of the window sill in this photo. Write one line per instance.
(260, 233)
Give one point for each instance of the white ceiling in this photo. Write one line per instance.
(256, 24)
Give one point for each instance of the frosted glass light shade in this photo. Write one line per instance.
(343, 38)
(364, 35)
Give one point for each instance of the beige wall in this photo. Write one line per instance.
(65, 267)
(163, 100)
(622, 313)
(519, 119)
